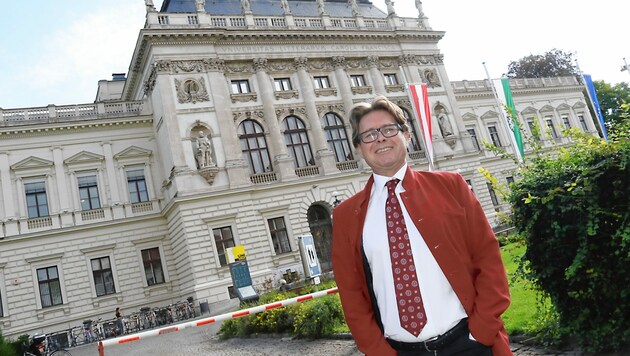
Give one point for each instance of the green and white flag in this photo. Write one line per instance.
(502, 88)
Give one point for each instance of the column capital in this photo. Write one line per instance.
(260, 64)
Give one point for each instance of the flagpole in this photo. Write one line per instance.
(503, 113)
(419, 120)
(600, 120)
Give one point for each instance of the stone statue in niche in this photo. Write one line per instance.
(445, 124)
(204, 151)
(431, 77)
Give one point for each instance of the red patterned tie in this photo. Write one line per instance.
(410, 308)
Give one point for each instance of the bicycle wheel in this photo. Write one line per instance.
(60, 353)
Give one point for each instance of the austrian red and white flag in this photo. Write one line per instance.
(419, 98)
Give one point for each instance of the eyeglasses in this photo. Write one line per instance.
(387, 131)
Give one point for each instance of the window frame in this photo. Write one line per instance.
(79, 177)
(391, 78)
(321, 82)
(162, 266)
(493, 195)
(473, 137)
(552, 127)
(4, 312)
(94, 277)
(494, 135)
(258, 158)
(297, 141)
(415, 141)
(282, 84)
(49, 281)
(357, 80)
(337, 137)
(275, 238)
(139, 199)
(221, 256)
(37, 194)
(240, 86)
(583, 124)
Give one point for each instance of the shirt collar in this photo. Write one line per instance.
(380, 181)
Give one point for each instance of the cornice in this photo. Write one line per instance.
(49, 129)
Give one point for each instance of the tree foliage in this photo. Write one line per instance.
(611, 98)
(573, 208)
(555, 63)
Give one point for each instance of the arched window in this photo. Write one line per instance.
(297, 142)
(254, 146)
(337, 138)
(320, 224)
(414, 143)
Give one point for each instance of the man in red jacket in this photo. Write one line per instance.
(418, 267)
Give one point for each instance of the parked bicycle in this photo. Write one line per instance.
(43, 345)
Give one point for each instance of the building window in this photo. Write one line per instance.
(254, 146)
(282, 84)
(36, 201)
(473, 138)
(357, 80)
(1, 310)
(565, 120)
(321, 82)
(103, 277)
(509, 180)
(493, 195)
(223, 239)
(240, 86)
(137, 185)
(552, 128)
(279, 236)
(391, 79)
(297, 142)
(152, 266)
(583, 123)
(337, 138)
(414, 143)
(469, 182)
(494, 136)
(88, 192)
(49, 286)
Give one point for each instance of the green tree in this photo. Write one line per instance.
(555, 63)
(611, 98)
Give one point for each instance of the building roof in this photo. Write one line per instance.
(334, 8)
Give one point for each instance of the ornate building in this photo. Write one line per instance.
(228, 129)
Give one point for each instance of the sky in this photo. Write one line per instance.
(55, 52)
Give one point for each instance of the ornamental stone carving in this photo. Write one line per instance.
(214, 64)
(407, 59)
(191, 91)
(187, 66)
(301, 63)
(163, 66)
(260, 64)
(339, 62)
(149, 84)
(372, 61)
(431, 78)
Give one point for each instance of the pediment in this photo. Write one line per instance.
(529, 111)
(546, 108)
(490, 114)
(32, 162)
(84, 157)
(579, 105)
(564, 107)
(133, 152)
(469, 117)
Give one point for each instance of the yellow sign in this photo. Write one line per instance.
(239, 253)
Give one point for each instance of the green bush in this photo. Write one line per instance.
(573, 210)
(312, 319)
(8, 348)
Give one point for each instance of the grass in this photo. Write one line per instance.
(523, 311)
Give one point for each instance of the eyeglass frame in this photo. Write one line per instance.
(361, 135)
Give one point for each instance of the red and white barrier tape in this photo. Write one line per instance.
(210, 320)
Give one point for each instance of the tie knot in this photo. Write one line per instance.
(391, 184)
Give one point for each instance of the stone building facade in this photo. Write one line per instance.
(228, 129)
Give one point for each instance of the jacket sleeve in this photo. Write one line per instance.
(352, 286)
(488, 273)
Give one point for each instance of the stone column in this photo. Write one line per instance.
(7, 196)
(65, 207)
(282, 160)
(377, 77)
(339, 64)
(235, 165)
(322, 152)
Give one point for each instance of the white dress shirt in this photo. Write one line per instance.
(442, 307)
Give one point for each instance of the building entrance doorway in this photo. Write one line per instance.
(320, 223)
